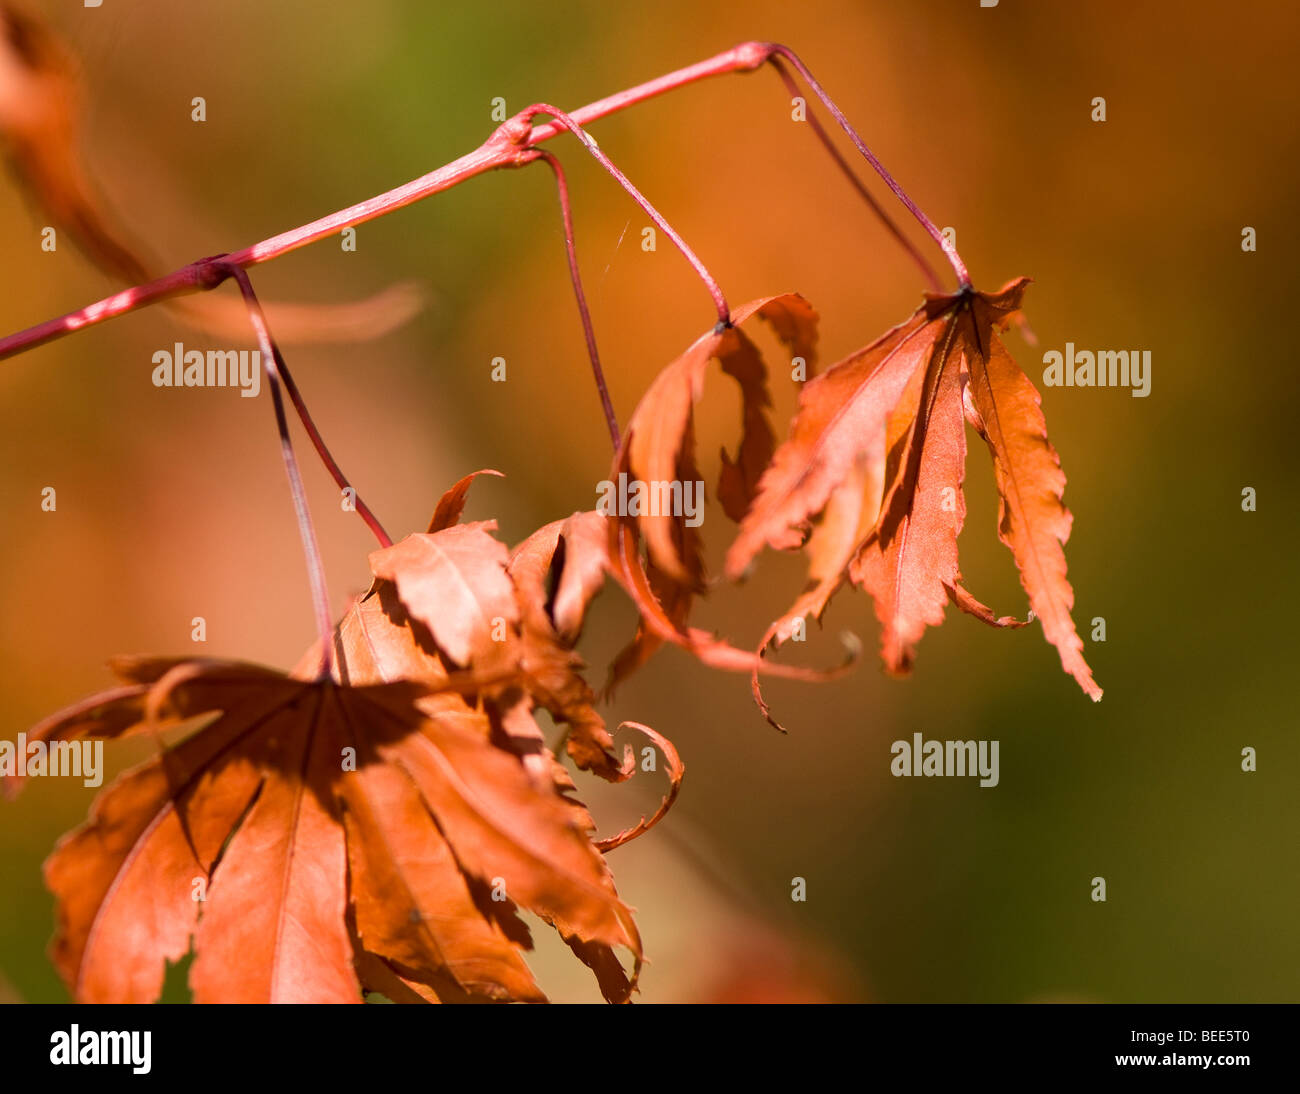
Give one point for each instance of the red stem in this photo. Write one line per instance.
(816, 126)
(959, 267)
(318, 442)
(306, 530)
(507, 147)
(719, 301)
(566, 211)
(503, 149)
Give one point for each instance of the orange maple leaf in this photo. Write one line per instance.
(341, 838)
(914, 386)
(374, 831)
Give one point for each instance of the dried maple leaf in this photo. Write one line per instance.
(658, 445)
(849, 514)
(557, 571)
(658, 451)
(917, 386)
(520, 618)
(377, 640)
(454, 581)
(524, 634)
(562, 564)
(332, 827)
(398, 814)
(452, 504)
(483, 607)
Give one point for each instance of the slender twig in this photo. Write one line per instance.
(890, 224)
(318, 442)
(959, 267)
(715, 291)
(512, 145)
(507, 147)
(306, 530)
(566, 211)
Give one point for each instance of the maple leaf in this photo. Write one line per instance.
(557, 571)
(848, 516)
(398, 814)
(483, 607)
(658, 449)
(513, 639)
(377, 640)
(524, 633)
(658, 444)
(917, 386)
(454, 581)
(338, 831)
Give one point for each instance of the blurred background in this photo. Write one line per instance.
(175, 505)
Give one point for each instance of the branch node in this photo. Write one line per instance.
(210, 272)
(752, 55)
